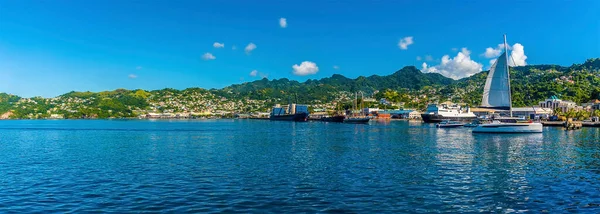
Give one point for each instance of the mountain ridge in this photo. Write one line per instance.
(408, 87)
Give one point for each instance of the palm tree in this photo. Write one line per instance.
(571, 113)
(582, 115)
(558, 112)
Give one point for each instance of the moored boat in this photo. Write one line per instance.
(509, 127)
(335, 118)
(496, 95)
(449, 124)
(473, 123)
(437, 113)
(298, 113)
(357, 120)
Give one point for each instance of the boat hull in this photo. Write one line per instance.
(299, 117)
(448, 125)
(436, 118)
(357, 120)
(336, 119)
(509, 128)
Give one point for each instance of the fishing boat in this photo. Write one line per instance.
(497, 96)
(449, 124)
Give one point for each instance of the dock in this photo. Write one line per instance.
(553, 123)
(590, 124)
(563, 123)
(573, 125)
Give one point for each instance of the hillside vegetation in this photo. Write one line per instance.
(408, 86)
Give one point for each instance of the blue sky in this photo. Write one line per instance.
(48, 48)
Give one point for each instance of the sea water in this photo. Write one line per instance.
(263, 166)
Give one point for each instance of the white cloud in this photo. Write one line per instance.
(233, 47)
(405, 42)
(132, 76)
(305, 68)
(517, 54)
(493, 52)
(428, 58)
(336, 67)
(218, 45)
(283, 22)
(138, 68)
(419, 58)
(250, 47)
(208, 56)
(253, 73)
(458, 67)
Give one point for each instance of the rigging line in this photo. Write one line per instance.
(513, 59)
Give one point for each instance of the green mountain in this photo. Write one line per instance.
(324, 89)
(530, 84)
(533, 83)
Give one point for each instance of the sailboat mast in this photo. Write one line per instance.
(508, 75)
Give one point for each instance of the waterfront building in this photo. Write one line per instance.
(592, 104)
(537, 112)
(482, 112)
(553, 103)
(370, 110)
(402, 114)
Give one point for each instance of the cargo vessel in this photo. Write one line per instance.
(291, 112)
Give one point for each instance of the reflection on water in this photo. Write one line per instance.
(263, 166)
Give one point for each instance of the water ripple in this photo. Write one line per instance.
(241, 166)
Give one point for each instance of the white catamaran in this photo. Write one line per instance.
(496, 95)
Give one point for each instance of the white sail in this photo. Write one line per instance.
(496, 93)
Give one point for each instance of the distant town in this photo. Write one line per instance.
(539, 90)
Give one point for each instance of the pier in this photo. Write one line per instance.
(563, 123)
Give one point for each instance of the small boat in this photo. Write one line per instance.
(472, 124)
(449, 124)
(335, 118)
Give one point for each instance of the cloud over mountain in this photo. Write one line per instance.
(517, 54)
(305, 68)
(458, 67)
(253, 73)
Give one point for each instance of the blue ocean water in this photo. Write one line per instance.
(262, 166)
